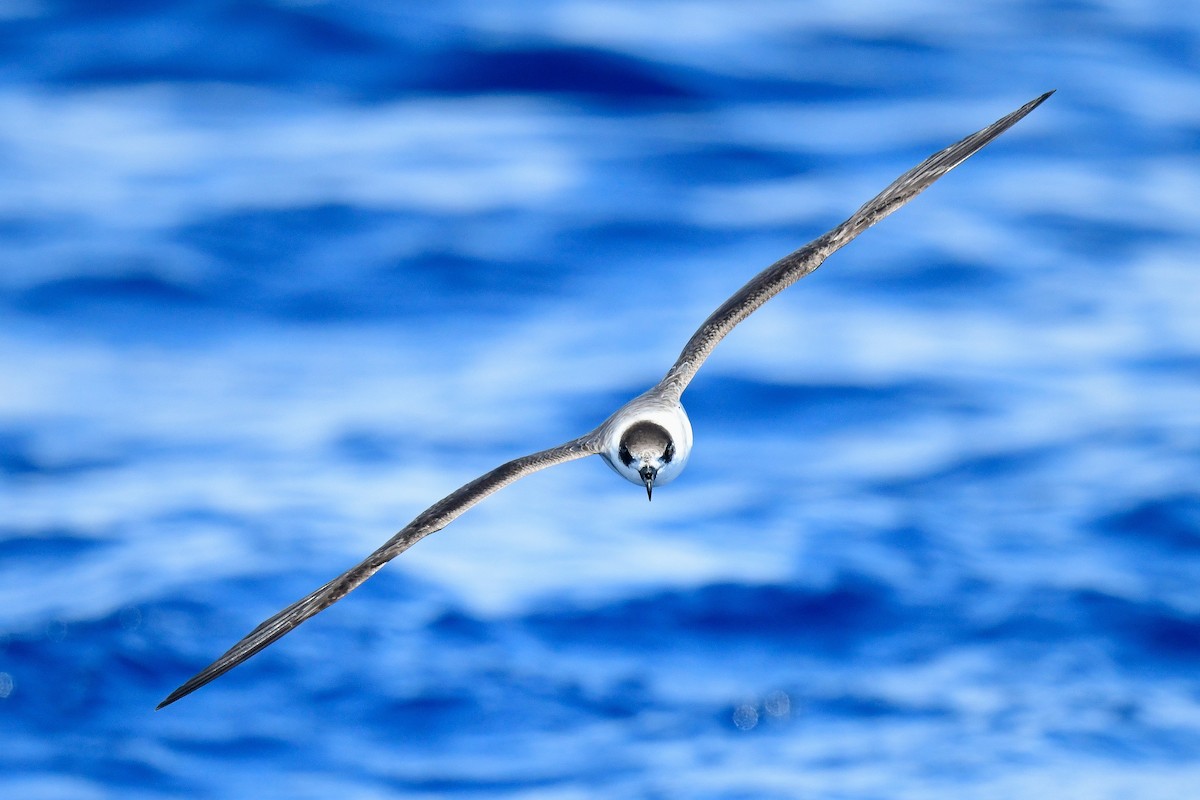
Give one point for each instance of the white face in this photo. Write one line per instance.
(663, 462)
(667, 462)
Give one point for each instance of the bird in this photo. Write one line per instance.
(647, 440)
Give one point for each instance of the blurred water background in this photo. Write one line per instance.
(275, 275)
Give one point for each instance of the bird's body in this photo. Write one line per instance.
(648, 439)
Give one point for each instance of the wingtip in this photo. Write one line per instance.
(1037, 101)
(171, 698)
(1024, 110)
(184, 690)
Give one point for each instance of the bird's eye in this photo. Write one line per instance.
(626, 458)
(669, 453)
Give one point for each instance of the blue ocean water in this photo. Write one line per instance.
(277, 274)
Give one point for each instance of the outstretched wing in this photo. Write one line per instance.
(436, 517)
(791, 268)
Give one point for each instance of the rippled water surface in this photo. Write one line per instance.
(277, 275)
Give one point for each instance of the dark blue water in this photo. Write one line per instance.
(274, 276)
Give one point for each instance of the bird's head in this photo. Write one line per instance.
(646, 454)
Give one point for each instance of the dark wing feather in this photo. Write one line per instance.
(433, 519)
(791, 268)
(761, 288)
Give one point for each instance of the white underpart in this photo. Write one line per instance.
(670, 416)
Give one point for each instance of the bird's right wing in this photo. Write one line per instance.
(791, 268)
(432, 519)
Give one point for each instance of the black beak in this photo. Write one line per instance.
(648, 474)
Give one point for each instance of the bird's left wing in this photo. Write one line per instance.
(436, 517)
(791, 268)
